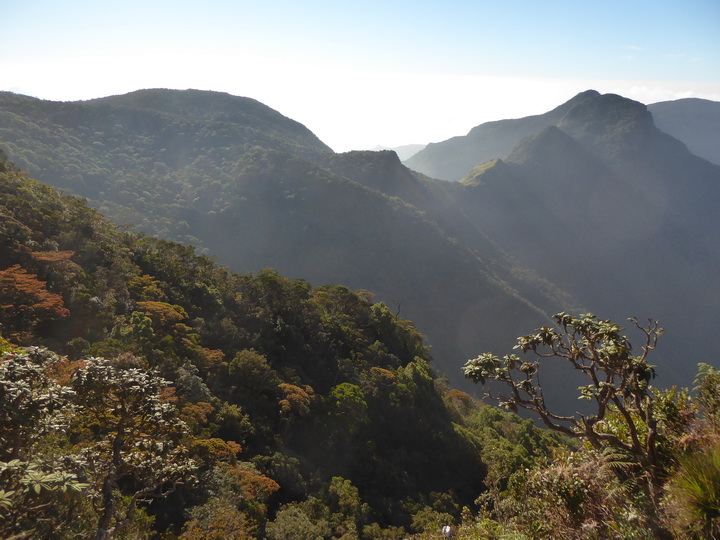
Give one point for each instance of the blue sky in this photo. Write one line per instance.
(360, 74)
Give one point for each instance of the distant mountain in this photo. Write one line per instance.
(404, 152)
(258, 190)
(618, 212)
(696, 122)
(454, 158)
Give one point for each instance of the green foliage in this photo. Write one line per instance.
(40, 491)
(291, 522)
(31, 403)
(347, 404)
(66, 446)
(258, 365)
(693, 494)
(234, 498)
(708, 394)
(136, 434)
(665, 486)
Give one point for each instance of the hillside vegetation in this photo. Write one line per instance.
(286, 400)
(186, 401)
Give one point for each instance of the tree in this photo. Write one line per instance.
(40, 494)
(623, 415)
(136, 439)
(235, 499)
(31, 403)
(348, 407)
(24, 299)
(692, 494)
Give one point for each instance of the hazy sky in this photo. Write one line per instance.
(359, 74)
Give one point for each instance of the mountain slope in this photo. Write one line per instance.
(452, 159)
(262, 367)
(307, 222)
(83, 146)
(264, 193)
(696, 122)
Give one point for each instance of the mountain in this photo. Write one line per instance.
(257, 190)
(404, 152)
(618, 212)
(245, 373)
(454, 158)
(693, 121)
(696, 122)
(200, 395)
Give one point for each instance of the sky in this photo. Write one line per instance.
(363, 74)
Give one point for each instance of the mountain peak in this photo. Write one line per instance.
(606, 108)
(211, 106)
(610, 125)
(453, 158)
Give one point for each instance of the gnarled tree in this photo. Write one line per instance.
(137, 440)
(619, 384)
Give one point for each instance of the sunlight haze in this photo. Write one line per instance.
(372, 73)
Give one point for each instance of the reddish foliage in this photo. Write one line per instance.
(162, 314)
(255, 486)
(24, 299)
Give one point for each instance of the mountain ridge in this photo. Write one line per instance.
(451, 160)
(586, 213)
(597, 206)
(694, 121)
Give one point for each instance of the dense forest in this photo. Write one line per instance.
(146, 391)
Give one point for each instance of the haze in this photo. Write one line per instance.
(367, 73)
